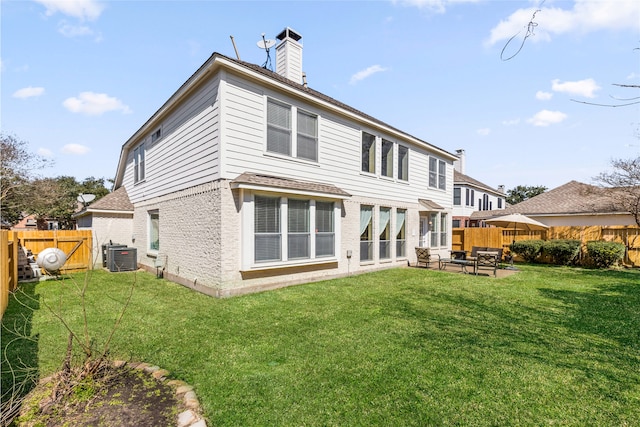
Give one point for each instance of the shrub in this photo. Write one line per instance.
(605, 254)
(562, 251)
(527, 249)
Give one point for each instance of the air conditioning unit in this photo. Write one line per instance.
(122, 259)
(105, 251)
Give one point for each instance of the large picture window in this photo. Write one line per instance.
(368, 153)
(290, 229)
(278, 127)
(267, 229)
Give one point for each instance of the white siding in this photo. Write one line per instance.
(339, 151)
(187, 154)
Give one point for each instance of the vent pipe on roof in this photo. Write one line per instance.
(289, 55)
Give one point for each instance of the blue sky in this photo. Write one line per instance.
(79, 77)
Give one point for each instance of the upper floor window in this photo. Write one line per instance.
(368, 153)
(138, 163)
(456, 196)
(387, 158)
(156, 135)
(281, 127)
(499, 203)
(403, 163)
(307, 136)
(278, 127)
(470, 197)
(437, 173)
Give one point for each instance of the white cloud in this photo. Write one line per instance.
(586, 87)
(483, 131)
(45, 152)
(70, 30)
(438, 6)
(75, 149)
(543, 96)
(94, 104)
(585, 16)
(28, 92)
(546, 118)
(361, 75)
(81, 9)
(511, 122)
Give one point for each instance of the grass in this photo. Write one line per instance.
(547, 346)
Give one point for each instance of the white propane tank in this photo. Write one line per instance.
(51, 259)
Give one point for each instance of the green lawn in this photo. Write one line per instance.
(546, 346)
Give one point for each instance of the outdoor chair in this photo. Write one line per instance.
(425, 256)
(489, 260)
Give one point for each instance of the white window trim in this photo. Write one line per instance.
(247, 209)
(294, 132)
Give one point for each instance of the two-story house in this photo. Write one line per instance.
(247, 179)
(471, 195)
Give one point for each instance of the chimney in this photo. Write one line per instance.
(501, 189)
(289, 55)
(459, 164)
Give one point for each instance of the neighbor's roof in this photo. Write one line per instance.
(572, 198)
(216, 60)
(116, 201)
(257, 181)
(462, 179)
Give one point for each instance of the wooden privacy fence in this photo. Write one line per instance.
(8, 266)
(76, 244)
(495, 237)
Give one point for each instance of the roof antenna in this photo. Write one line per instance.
(233, 42)
(266, 45)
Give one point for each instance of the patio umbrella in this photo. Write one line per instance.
(517, 222)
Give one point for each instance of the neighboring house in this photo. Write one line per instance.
(247, 179)
(571, 204)
(471, 195)
(30, 222)
(110, 219)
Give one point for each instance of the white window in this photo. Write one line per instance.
(154, 231)
(435, 230)
(366, 233)
(299, 239)
(403, 163)
(138, 163)
(267, 243)
(401, 235)
(307, 137)
(278, 127)
(385, 233)
(387, 158)
(368, 153)
(443, 229)
(282, 229)
(437, 173)
(325, 229)
(456, 196)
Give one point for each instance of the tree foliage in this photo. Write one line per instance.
(523, 192)
(17, 169)
(622, 185)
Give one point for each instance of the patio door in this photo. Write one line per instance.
(424, 231)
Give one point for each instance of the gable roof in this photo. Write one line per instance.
(572, 198)
(462, 179)
(115, 202)
(266, 77)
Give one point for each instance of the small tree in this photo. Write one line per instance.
(622, 186)
(523, 192)
(17, 169)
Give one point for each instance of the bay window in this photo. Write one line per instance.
(267, 229)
